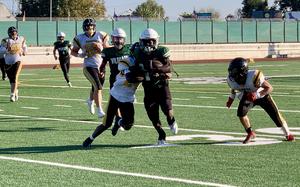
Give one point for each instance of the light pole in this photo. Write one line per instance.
(50, 10)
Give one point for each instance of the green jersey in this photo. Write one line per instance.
(62, 48)
(113, 56)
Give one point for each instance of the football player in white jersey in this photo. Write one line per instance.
(251, 87)
(15, 47)
(122, 96)
(91, 43)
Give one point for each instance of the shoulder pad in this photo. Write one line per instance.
(258, 75)
(164, 51)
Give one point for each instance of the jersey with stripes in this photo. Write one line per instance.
(87, 45)
(254, 80)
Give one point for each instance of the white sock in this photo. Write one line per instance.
(285, 129)
(100, 109)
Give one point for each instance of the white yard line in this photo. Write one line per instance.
(31, 108)
(177, 105)
(114, 172)
(66, 106)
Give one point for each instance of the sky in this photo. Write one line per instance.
(173, 8)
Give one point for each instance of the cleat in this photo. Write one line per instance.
(116, 126)
(12, 98)
(115, 129)
(87, 142)
(174, 128)
(101, 113)
(161, 142)
(250, 136)
(290, 138)
(70, 85)
(4, 78)
(91, 106)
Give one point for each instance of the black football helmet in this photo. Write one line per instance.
(238, 69)
(87, 23)
(11, 30)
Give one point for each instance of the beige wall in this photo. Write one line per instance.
(43, 55)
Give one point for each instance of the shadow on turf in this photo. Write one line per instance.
(54, 149)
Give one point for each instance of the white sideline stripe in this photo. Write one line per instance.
(100, 170)
(178, 105)
(31, 108)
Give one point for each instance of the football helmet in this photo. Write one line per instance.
(86, 26)
(238, 69)
(60, 36)
(149, 40)
(118, 37)
(11, 30)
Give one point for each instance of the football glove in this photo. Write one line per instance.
(251, 96)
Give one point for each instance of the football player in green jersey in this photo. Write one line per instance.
(63, 47)
(154, 60)
(112, 55)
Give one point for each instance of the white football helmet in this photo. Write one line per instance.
(118, 37)
(60, 36)
(149, 40)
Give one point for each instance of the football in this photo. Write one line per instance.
(156, 64)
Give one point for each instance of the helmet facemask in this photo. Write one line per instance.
(148, 45)
(89, 26)
(118, 42)
(90, 30)
(149, 40)
(239, 75)
(12, 32)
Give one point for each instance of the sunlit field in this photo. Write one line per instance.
(42, 133)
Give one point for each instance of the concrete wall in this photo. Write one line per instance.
(43, 55)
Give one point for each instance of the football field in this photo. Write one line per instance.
(42, 133)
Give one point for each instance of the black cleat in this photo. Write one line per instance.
(87, 143)
(116, 126)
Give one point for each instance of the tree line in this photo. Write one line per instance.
(147, 9)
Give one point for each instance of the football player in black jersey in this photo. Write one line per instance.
(154, 61)
(63, 47)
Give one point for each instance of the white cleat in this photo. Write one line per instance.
(70, 85)
(12, 98)
(91, 106)
(101, 113)
(174, 128)
(161, 142)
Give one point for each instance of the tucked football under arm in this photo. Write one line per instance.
(162, 65)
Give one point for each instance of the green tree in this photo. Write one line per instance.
(253, 5)
(37, 8)
(63, 8)
(284, 4)
(81, 8)
(149, 9)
